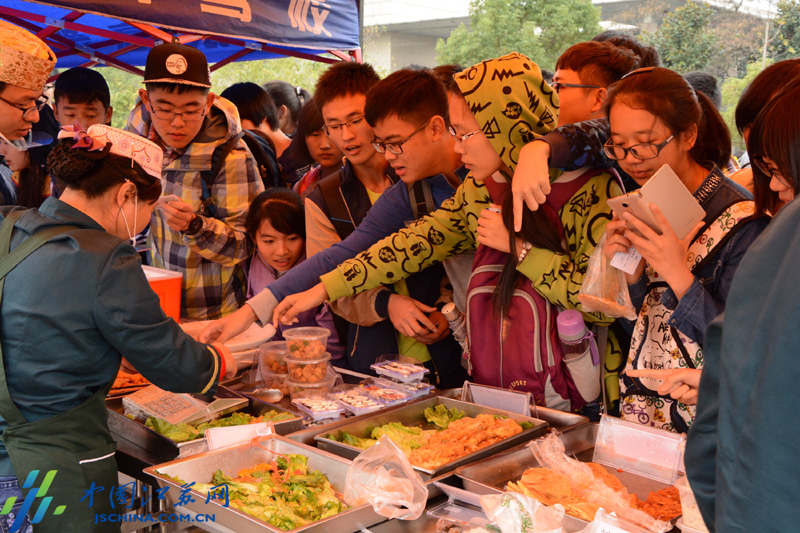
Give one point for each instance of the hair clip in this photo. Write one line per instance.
(638, 71)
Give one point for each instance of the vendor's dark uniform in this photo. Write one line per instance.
(69, 311)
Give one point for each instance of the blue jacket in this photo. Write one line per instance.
(742, 451)
(389, 215)
(73, 308)
(706, 297)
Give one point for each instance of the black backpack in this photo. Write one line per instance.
(264, 153)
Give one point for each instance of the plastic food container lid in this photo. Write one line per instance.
(404, 372)
(356, 402)
(384, 395)
(319, 408)
(306, 333)
(292, 361)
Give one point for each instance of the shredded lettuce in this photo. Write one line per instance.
(440, 416)
(287, 494)
(186, 432)
(407, 438)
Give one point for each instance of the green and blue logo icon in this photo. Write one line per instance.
(33, 493)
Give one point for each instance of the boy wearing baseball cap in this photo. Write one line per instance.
(211, 172)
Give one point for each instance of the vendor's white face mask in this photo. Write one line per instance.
(131, 234)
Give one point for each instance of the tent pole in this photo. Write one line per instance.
(230, 59)
(69, 17)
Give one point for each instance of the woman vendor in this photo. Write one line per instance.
(74, 306)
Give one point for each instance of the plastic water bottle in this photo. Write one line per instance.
(575, 338)
(458, 323)
(580, 354)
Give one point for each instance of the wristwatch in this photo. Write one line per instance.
(194, 226)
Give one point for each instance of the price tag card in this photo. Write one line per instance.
(507, 400)
(627, 262)
(231, 436)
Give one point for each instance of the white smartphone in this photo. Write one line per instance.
(666, 191)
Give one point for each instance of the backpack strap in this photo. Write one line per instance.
(208, 177)
(331, 189)
(421, 198)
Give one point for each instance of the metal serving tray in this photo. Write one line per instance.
(559, 420)
(491, 475)
(166, 449)
(411, 415)
(200, 469)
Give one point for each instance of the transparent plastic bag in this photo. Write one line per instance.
(514, 513)
(383, 477)
(604, 288)
(549, 452)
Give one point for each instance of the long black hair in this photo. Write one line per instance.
(776, 135)
(539, 230)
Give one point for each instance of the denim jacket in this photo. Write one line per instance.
(706, 297)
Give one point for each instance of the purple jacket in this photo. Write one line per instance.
(261, 274)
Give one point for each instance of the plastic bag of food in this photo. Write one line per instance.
(604, 288)
(383, 477)
(549, 452)
(514, 512)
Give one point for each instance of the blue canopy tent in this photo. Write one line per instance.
(120, 33)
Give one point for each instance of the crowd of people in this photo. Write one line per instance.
(371, 205)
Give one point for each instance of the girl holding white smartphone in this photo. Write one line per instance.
(680, 285)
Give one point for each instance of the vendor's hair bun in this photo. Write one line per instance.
(67, 164)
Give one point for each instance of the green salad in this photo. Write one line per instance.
(187, 432)
(283, 492)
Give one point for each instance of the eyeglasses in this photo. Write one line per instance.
(462, 138)
(352, 124)
(186, 116)
(26, 111)
(557, 86)
(765, 169)
(639, 151)
(396, 148)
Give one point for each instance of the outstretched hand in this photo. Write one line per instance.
(293, 305)
(531, 181)
(680, 384)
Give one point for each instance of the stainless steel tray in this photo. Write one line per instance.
(557, 419)
(491, 475)
(200, 469)
(411, 415)
(166, 449)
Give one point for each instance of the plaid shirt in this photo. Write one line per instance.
(211, 261)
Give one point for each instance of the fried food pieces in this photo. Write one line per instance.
(463, 437)
(551, 488)
(129, 380)
(664, 504)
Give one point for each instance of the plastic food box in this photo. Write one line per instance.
(414, 389)
(306, 343)
(319, 389)
(167, 285)
(319, 408)
(357, 403)
(404, 372)
(308, 370)
(386, 396)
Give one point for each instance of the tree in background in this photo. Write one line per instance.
(787, 42)
(732, 89)
(124, 87)
(684, 40)
(540, 29)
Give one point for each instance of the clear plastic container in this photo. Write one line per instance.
(691, 516)
(357, 403)
(275, 381)
(312, 390)
(308, 370)
(414, 389)
(306, 343)
(319, 408)
(404, 372)
(271, 357)
(385, 395)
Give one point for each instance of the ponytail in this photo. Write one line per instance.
(713, 143)
(537, 229)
